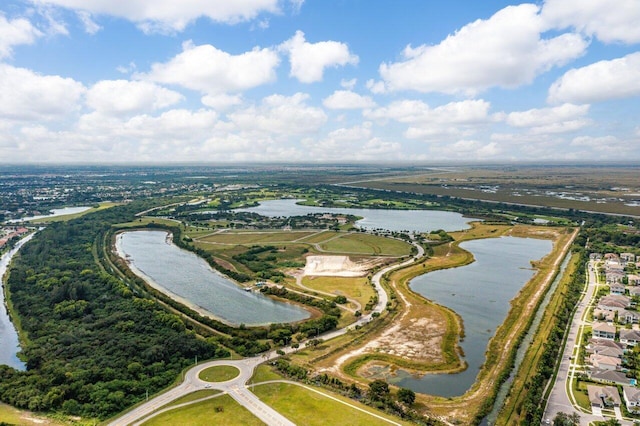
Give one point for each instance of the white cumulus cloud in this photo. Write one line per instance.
(309, 60)
(171, 15)
(15, 32)
(346, 99)
(282, 115)
(210, 70)
(129, 97)
(505, 50)
(608, 20)
(25, 95)
(600, 81)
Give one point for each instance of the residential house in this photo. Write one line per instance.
(604, 362)
(602, 330)
(614, 276)
(629, 337)
(633, 279)
(609, 376)
(605, 347)
(628, 317)
(634, 290)
(611, 257)
(617, 288)
(603, 396)
(603, 315)
(627, 258)
(631, 396)
(612, 302)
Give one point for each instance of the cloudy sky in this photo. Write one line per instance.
(319, 80)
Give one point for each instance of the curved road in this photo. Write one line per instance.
(237, 387)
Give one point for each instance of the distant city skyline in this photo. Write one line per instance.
(155, 81)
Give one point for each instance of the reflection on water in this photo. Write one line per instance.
(480, 293)
(190, 277)
(392, 220)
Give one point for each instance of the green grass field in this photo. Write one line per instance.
(193, 396)
(222, 410)
(367, 244)
(256, 237)
(219, 373)
(358, 289)
(305, 407)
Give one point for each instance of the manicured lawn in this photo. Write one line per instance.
(193, 396)
(264, 373)
(257, 237)
(219, 373)
(222, 410)
(367, 244)
(304, 407)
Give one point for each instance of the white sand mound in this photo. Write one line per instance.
(336, 266)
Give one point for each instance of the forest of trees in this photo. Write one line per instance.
(92, 348)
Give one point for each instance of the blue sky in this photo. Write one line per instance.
(93, 81)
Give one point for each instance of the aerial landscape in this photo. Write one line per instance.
(290, 212)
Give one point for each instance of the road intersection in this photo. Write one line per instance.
(237, 387)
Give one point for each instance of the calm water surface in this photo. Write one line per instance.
(188, 276)
(54, 212)
(480, 293)
(392, 220)
(9, 344)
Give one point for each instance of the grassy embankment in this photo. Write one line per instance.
(509, 413)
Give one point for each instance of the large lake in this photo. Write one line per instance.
(54, 212)
(480, 293)
(392, 220)
(190, 278)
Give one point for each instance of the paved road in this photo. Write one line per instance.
(237, 387)
(559, 399)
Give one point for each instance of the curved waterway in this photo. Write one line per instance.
(9, 343)
(479, 293)
(392, 220)
(189, 278)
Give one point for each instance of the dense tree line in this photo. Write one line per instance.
(532, 408)
(92, 347)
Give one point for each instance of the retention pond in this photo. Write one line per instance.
(480, 293)
(188, 278)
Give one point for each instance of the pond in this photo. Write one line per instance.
(189, 278)
(392, 220)
(480, 293)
